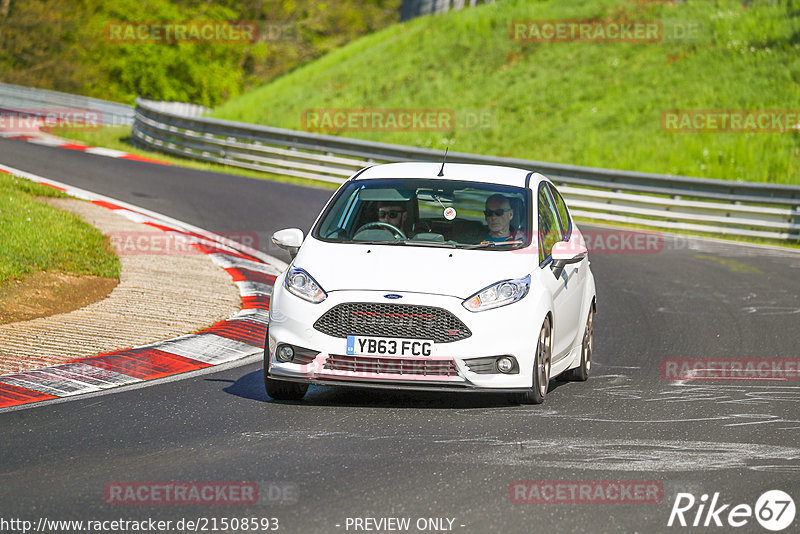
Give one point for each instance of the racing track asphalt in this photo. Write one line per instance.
(350, 453)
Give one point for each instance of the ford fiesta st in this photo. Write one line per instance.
(419, 276)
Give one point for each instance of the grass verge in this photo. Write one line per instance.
(37, 237)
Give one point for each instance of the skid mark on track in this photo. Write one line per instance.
(629, 455)
(686, 297)
(644, 455)
(771, 310)
(720, 405)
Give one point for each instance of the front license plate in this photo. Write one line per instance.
(389, 346)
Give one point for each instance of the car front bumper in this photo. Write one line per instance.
(505, 331)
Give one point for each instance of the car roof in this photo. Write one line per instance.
(468, 172)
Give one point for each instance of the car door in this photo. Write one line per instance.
(567, 290)
(576, 273)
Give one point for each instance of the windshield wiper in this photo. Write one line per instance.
(376, 242)
(444, 244)
(490, 244)
(402, 242)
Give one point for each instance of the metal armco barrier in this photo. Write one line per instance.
(733, 209)
(416, 8)
(16, 98)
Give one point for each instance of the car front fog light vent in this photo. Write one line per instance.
(285, 353)
(505, 365)
(492, 365)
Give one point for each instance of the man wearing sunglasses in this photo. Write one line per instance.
(498, 214)
(394, 214)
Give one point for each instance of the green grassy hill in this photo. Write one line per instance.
(597, 104)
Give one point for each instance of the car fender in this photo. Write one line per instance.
(541, 306)
(589, 300)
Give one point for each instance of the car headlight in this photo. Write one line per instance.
(301, 284)
(499, 294)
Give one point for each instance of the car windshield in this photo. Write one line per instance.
(433, 213)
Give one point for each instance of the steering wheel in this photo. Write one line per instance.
(377, 224)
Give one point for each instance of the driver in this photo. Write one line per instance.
(394, 214)
(498, 214)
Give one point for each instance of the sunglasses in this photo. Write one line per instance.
(497, 212)
(382, 214)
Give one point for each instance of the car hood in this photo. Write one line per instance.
(409, 268)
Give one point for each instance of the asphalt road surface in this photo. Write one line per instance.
(348, 460)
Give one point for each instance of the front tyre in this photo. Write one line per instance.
(279, 389)
(288, 391)
(541, 367)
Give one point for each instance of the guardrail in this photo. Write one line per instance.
(721, 207)
(33, 101)
(415, 8)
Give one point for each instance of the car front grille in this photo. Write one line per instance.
(392, 320)
(394, 366)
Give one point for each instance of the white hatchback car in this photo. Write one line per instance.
(453, 278)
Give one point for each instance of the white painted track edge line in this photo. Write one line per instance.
(266, 258)
(247, 360)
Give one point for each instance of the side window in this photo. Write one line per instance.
(549, 227)
(563, 214)
(339, 216)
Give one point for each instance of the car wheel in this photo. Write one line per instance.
(581, 373)
(279, 389)
(541, 367)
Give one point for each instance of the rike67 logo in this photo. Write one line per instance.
(774, 510)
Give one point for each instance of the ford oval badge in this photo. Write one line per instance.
(393, 296)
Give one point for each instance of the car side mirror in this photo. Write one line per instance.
(289, 239)
(566, 252)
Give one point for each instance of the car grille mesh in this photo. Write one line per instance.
(397, 366)
(392, 320)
